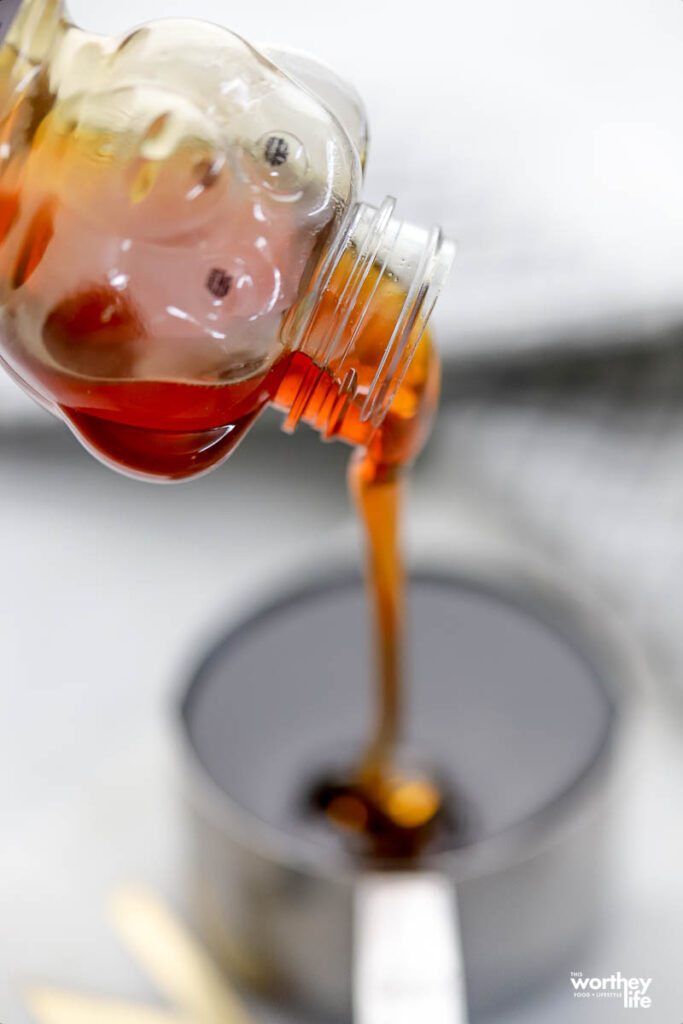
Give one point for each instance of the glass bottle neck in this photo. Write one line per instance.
(380, 274)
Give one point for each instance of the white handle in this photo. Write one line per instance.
(408, 958)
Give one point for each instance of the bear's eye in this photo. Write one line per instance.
(281, 163)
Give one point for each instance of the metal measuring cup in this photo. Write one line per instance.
(290, 912)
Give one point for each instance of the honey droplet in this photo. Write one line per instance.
(413, 803)
(349, 812)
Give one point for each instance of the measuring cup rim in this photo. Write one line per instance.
(573, 617)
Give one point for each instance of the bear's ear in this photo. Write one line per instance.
(334, 92)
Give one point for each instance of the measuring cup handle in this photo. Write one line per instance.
(407, 952)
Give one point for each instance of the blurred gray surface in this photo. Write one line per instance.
(582, 457)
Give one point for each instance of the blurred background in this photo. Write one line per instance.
(547, 140)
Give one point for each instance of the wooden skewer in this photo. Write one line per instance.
(183, 973)
(59, 1006)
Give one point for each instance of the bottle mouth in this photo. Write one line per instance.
(376, 246)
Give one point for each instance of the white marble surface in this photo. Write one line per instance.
(108, 589)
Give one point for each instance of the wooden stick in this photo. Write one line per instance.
(182, 972)
(59, 1006)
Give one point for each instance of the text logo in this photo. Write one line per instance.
(633, 992)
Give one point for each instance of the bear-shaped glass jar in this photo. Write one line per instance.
(182, 243)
